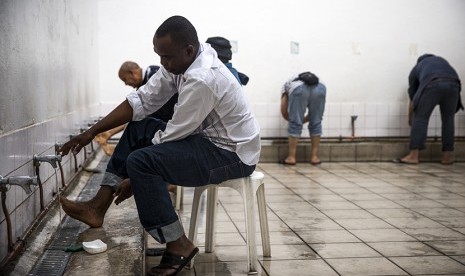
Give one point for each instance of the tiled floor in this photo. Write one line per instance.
(346, 219)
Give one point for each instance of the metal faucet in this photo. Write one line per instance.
(24, 182)
(52, 159)
(352, 123)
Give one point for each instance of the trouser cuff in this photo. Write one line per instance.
(111, 180)
(167, 233)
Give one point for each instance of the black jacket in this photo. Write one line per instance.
(428, 68)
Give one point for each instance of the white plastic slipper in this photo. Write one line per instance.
(94, 247)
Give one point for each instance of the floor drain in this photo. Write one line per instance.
(52, 262)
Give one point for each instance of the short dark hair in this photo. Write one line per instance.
(182, 31)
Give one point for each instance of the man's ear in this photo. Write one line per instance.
(190, 50)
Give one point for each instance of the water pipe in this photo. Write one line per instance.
(22, 181)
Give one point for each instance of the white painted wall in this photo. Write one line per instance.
(362, 50)
(48, 85)
(48, 58)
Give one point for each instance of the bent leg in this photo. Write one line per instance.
(92, 212)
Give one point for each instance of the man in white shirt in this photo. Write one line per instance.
(212, 137)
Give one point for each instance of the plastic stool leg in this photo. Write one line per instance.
(263, 217)
(248, 197)
(212, 200)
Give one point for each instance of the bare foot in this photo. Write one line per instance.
(407, 160)
(315, 161)
(88, 212)
(102, 138)
(447, 158)
(108, 149)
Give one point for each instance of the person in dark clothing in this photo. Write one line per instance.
(432, 82)
(133, 75)
(222, 47)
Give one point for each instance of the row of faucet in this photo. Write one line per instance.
(25, 182)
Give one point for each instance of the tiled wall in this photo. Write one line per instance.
(373, 120)
(16, 153)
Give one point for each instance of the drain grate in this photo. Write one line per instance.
(64, 239)
(52, 262)
(54, 259)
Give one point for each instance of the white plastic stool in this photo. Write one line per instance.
(179, 197)
(245, 186)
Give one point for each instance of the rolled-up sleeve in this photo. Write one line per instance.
(151, 96)
(136, 104)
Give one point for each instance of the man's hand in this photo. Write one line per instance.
(76, 143)
(123, 192)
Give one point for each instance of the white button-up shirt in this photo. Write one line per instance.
(211, 102)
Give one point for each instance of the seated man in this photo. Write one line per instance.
(212, 137)
(133, 75)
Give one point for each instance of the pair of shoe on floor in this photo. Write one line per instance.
(283, 161)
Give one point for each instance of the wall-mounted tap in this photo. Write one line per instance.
(52, 159)
(352, 123)
(24, 182)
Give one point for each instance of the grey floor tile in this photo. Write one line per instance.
(460, 229)
(223, 254)
(313, 224)
(377, 204)
(449, 247)
(283, 237)
(348, 214)
(394, 213)
(365, 196)
(222, 239)
(344, 250)
(382, 235)
(410, 223)
(453, 222)
(298, 267)
(310, 213)
(291, 252)
(365, 266)
(403, 249)
(435, 234)
(369, 223)
(440, 212)
(224, 269)
(429, 265)
(334, 205)
(327, 236)
(424, 203)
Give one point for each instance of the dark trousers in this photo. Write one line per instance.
(446, 95)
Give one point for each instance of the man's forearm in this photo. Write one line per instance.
(119, 116)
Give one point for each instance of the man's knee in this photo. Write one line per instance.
(135, 162)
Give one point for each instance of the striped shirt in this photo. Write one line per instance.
(210, 102)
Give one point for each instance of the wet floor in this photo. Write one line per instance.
(345, 219)
(335, 219)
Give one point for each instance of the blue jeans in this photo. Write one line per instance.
(192, 162)
(302, 98)
(446, 95)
